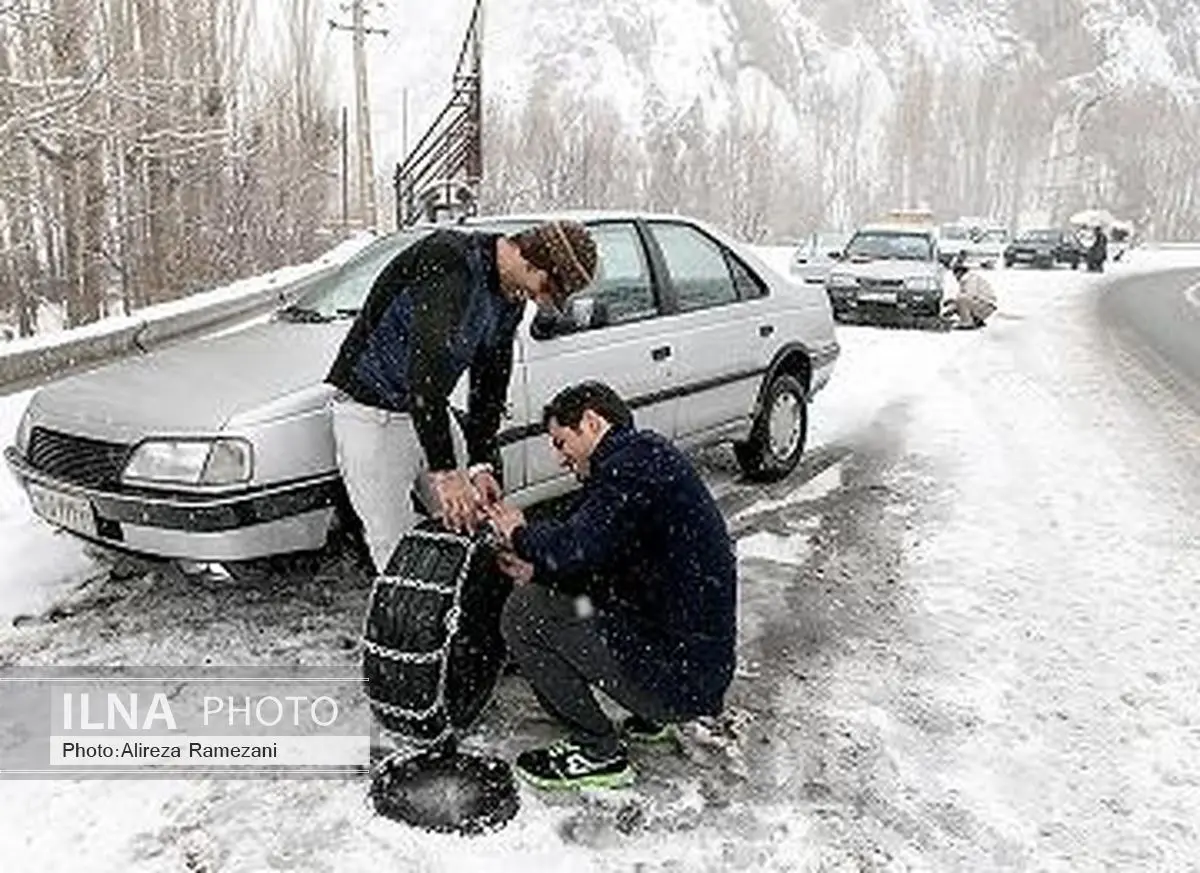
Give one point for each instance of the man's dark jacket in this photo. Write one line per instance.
(434, 312)
(647, 525)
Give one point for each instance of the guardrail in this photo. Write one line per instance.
(37, 357)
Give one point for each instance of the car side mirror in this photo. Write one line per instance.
(588, 313)
(583, 313)
(548, 324)
(837, 256)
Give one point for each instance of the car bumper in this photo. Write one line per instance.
(897, 304)
(268, 520)
(1027, 257)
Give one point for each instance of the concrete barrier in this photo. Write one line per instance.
(38, 360)
(173, 323)
(34, 358)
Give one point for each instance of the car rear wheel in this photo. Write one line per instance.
(777, 439)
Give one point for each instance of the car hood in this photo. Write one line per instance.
(194, 387)
(888, 269)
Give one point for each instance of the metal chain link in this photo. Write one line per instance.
(441, 654)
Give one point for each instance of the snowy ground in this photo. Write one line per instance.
(969, 630)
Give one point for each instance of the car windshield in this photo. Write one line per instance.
(996, 235)
(953, 231)
(1038, 236)
(342, 294)
(877, 245)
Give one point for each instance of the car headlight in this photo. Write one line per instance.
(842, 280)
(224, 461)
(921, 283)
(24, 427)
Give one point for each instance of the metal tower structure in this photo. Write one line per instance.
(439, 178)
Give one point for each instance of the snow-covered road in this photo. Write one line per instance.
(969, 630)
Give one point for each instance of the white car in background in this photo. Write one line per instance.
(979, 242)
(816, 256)
(987, 245)
(892, 272)
(953, 240)
(221, 450)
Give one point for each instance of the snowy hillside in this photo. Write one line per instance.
(1002, 106)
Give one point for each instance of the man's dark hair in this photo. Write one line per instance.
(569, 404)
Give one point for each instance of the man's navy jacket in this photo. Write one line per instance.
(435, 311)
(647, 526)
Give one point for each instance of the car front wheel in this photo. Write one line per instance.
(777, 439)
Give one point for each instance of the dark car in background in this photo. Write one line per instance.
(1043, 248)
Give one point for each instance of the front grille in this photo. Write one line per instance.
(79, 460)
(882, 284)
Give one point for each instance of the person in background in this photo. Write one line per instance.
(634, 593)
(1097, 254)
(976, 299)
(449, 303)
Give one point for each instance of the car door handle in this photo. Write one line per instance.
(766, 329)
(661, 353)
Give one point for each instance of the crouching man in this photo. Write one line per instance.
(976, 299)
(650, 619)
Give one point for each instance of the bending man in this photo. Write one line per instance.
(448, 303)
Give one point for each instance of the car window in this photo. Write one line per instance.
(748, 286)
(622, 286)
(697, 265)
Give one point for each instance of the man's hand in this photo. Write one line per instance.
(488, 487)
(521, 572)
(506, 519)
(458, 502)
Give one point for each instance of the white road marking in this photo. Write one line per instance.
(1193, 295)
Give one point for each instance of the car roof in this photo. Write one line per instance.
(580, 215)
(894, 227)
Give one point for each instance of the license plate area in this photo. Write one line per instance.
(62, 509)
(877, 296)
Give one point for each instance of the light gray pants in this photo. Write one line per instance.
(380, 458)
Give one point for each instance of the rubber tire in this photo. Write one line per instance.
(754, 456)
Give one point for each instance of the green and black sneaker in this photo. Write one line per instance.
(641, 730)
(568, 765)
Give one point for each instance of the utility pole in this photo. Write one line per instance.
(362, 109)
(345, 171)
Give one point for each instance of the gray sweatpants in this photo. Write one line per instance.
(562, 654)
(380, 458)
